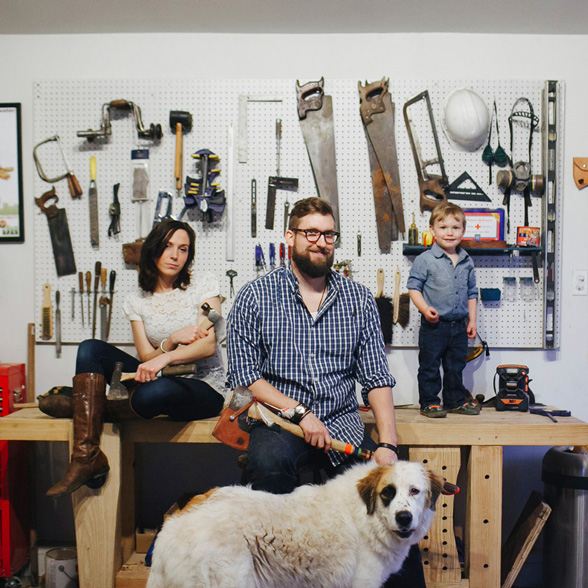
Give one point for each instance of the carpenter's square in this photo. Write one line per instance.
(97, 271)
(111, 280)
(93, 203)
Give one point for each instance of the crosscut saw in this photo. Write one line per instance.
(431, 186)
(377, 114)
(315, 113)
(59, 232)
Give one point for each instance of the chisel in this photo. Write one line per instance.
(103, 302)
(97, 271)
(89, 293)
(73, 304)
(110, 301)
(57, 324)
(93, 202)
(81, 281)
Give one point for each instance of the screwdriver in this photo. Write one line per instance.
(89, 292)
(81, 280)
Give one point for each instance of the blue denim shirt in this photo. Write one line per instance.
(445, 287)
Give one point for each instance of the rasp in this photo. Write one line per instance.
(65, 263)
(377, 114)
(315, 114)
(93, 202)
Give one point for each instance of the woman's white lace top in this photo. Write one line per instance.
(164, 313)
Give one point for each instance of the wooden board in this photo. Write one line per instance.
(522, 538)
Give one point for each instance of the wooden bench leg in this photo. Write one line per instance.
(484, 517)
(438, 549)
(97, 520)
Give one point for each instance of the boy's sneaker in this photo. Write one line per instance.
(434, 411)
(468, 407)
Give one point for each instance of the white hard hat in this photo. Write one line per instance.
(466, 120)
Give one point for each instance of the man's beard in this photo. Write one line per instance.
(313, 269)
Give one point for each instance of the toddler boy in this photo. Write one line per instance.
(442, 285)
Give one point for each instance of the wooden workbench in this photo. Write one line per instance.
(104, 519)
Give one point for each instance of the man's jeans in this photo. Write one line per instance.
(442, 343)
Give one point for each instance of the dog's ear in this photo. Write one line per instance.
(367, 488)
(435, 488)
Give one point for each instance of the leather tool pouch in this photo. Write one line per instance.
(228, 430)
(581, 172)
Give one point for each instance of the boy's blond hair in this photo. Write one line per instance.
(445, 209)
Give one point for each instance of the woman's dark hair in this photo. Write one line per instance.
(153, 248)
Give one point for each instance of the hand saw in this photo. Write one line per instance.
(431, 186)
(315, 113)
(377, 114)
(59, 232)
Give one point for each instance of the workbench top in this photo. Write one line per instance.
(490, 427)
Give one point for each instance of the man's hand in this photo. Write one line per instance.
(315, 433)
(472, 329)
(385, 456)
(431, 315)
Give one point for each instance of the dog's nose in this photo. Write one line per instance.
(403, 518)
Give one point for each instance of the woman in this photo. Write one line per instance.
(165, 315)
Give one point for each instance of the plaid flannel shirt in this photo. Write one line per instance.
(271, 335)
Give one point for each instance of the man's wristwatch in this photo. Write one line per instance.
(296, 414)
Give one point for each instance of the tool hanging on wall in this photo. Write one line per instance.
(497, 156)
(103, 303)
(203, 192)
(580, 171)
(377, 115)
(140, 197)
(153, 133)
(315, 114)
(159, 215)
(231, 273)
(46, 314)
(114, 213)
(519, 178)
(431, 186)
(97, 272)
(111, 281)
(81, 285)
(254, 207)
(385, 308)
(74, 186)
(93, 203)
(259, 260)
(89, 293)
(57, 324)
(465, 188)
(65, 263)
(73, 303)
(180, 122)
(277, 182)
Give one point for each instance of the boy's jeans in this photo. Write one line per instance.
(443, 343)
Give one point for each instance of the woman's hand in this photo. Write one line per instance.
(187, 335)
(146, 372)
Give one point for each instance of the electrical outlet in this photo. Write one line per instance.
(580, 283)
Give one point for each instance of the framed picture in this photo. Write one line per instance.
(11, 206)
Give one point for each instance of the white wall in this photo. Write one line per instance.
(559, 376)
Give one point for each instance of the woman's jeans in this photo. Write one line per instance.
(442, 343)
(182, 399)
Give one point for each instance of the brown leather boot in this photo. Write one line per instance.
(88, 464)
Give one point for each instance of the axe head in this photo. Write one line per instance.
(231, 428)
(117, 391)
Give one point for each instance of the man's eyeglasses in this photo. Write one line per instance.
(313, 235)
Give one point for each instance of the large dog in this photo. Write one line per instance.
(352, 532)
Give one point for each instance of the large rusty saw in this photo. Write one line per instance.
(431, 186)
(231, 428)
(315, 113)
(377, 114)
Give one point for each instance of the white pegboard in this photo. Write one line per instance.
(65, 107)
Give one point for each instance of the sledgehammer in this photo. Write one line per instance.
(180, 121)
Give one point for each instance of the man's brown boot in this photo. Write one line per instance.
(88, 464)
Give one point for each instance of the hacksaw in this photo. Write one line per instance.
(377, 114)
(315, 114)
